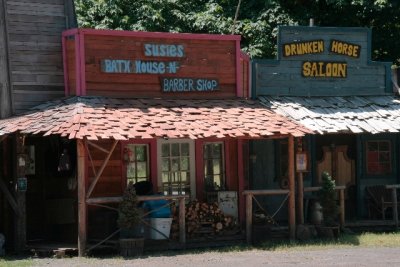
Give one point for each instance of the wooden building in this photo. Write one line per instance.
(31, 72)
(325, 80)
(166, 108)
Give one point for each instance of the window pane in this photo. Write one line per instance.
(208, 166)
(384, 157)
(141, 169)
(175, 164)
(165, 177)
(184, 177)
(165, 150)
(141, 153)
(217, 166)
(185, 149)
(373, 146)
(175, 150)
(384, 146)
(165, 164)
(131, 170)
(217, 151)
(217, 182)
(184, 163)
(130, 152)
(373, 156)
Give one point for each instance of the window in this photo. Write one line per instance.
(379, 158)
(137, 163)
(176, 169)
(214, 170)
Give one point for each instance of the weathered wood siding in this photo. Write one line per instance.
(202, 59)
(34, 30)
(284, 76)
(110, 182)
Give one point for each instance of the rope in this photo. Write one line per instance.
(104, 240)
(276, 212)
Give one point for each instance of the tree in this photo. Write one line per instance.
(257, 21)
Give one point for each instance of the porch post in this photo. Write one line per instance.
(20, 196)
(292, 197)
(82, 213)
(300, 189)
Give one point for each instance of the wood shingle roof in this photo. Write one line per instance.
(349, 114)
(121, 119)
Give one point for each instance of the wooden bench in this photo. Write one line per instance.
(379, 199)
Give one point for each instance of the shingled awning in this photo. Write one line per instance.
(122, 119)
(351, 114)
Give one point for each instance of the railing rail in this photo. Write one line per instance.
(249, 206)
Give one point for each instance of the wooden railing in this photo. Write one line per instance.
(249, 206)
(340, 189)
(181, 200)
(394, 188)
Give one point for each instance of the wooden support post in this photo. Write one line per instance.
(182, 229)
(249, 217)
(82, 212)
(20, 196)
(395, 213)
(300, 198)
(5, 85)
(292, 196)
(342, 209)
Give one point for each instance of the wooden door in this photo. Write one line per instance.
(336, 162)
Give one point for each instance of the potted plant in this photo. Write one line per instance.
(330, 210)
(129, 217)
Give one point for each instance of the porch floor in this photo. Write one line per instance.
(48, 248)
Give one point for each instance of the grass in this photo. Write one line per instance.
(345, 240)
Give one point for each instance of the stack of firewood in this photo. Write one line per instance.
(202, 219)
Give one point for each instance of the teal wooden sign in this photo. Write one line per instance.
(22, 184)
(322, 61)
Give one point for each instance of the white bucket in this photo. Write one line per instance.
(161, 224)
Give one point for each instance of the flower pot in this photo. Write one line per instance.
(131, 247)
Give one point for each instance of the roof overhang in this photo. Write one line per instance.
(346, 114)
(122, 119)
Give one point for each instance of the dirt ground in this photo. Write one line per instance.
(353, 256)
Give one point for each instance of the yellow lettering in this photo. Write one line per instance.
(299, 50)
(320, 46)
(342, 70)
(287, 50)
(306, 69)
(355, 51)
(304, 48)
(293, 49)
(314, 69)
(328, 70)
(321, 70)
(345, 49)
(334, 47)
(350, 51)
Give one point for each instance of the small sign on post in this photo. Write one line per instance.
(301, 162)
(22, 184)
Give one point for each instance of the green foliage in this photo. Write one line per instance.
(327, 196)
(257, 21)
(128, 212)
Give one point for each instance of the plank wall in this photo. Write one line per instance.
(34, 47)
(209, 59)
(110, 182)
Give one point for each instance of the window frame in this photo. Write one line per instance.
(390, 160)
(222, 167)
(192, 163)
(126, 163)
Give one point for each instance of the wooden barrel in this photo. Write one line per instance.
(131, 247)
